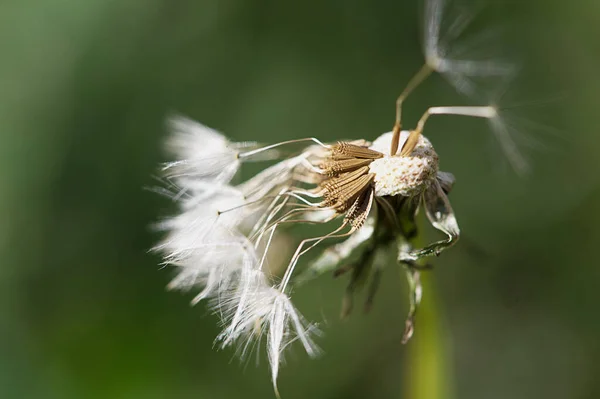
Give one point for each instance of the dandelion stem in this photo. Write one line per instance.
(429, 373)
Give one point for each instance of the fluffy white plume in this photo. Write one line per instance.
(505, 134)
(285, 326)
(205, 244)
(202, 222)
(254, 307)
(202, 154)
(219, 240)
(445, 54)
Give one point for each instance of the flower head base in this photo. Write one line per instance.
(406, 176)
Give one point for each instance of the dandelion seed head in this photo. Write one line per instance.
(224, 236)
(403, 175)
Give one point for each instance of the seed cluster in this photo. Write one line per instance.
(348, 186)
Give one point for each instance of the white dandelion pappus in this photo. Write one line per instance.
(443, 55)
(369, 192)
(202, 153)
(447, 55)
(201, 242)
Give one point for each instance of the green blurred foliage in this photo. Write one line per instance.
(84, 90)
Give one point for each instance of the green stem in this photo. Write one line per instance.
(429, 374)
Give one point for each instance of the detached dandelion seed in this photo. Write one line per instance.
(368, 192)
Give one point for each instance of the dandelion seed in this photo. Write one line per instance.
(203, 154)
(442, 54)
(367, 192)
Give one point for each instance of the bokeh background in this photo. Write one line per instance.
(511, 311)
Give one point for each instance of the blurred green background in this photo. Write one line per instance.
(511, 311)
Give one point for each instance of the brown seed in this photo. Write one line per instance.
(359, 211)
(349, 195)
(395, 139)
(411, 143)
(334, 185)
(333, 168)
(344, 150)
